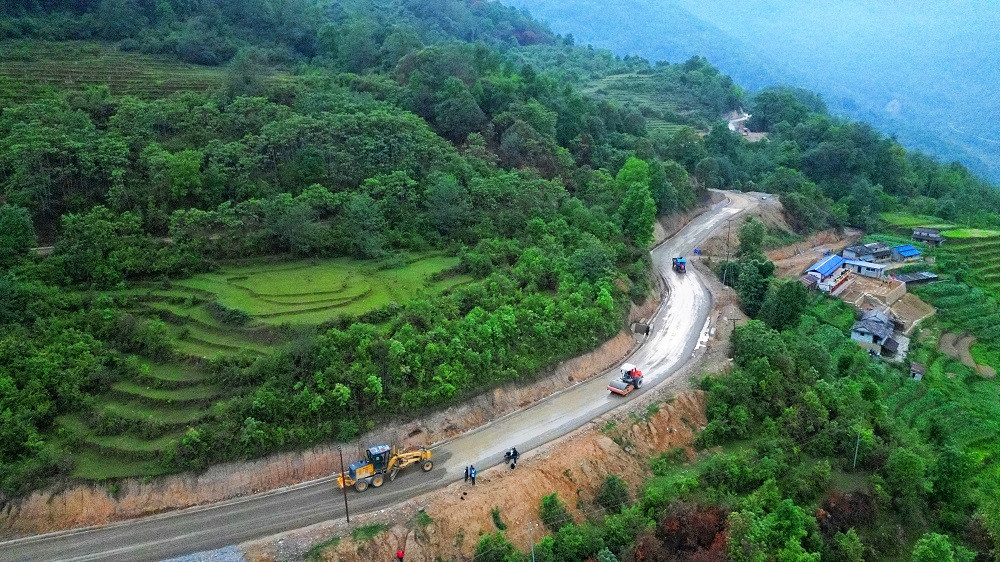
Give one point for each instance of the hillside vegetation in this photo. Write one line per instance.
(380, 209)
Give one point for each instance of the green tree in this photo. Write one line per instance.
(448, 203)
(848, 547)
(784, 304)
(17, 234)
(934, 547)
(751, 235)
(606, 555)
(456, 113)
(751, 287)
(905, 473)
(638, 210)
(496, 548)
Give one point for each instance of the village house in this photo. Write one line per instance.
(866, 268)
(905, 253)
(828, 274)
(872, 252)
(917, 370)
(874, 333)
(931, 236)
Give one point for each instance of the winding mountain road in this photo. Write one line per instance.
(678, 326)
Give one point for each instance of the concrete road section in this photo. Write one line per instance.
(678, 326)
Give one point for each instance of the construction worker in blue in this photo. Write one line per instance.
(472, 474)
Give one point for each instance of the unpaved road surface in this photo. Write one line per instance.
(679, 326)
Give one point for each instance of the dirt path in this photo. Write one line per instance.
(958, 347)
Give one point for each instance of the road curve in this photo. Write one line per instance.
(678, 325)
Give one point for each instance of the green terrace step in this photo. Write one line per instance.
(202, 394)
(94, 464)
(131, 447)
(173, 376)
(175, 415)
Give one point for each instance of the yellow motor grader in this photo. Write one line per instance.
(381, 461)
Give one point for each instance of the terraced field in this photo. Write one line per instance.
(134, 424)
(981, 255)
(657, 99)
(26, 69)
(909, 220)
(251, 308)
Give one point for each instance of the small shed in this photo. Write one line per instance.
(917, 370)
(931, 236)
(919, 277)
(868, 269)
(906, 252)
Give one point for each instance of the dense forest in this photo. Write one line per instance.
(463, 129)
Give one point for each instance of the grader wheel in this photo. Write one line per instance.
(428, 465)
(361, 485)
(378, 480)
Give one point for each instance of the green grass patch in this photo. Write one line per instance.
(316, 550)
(175, 372)
(909, 220)
(30, 68)
(130, 444)
(312, 292)
(98, 465)
(423, 520)
(142, 411)
(366, 533)
(961, 233)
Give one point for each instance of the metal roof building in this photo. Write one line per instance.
(827, 266)
(906, 251)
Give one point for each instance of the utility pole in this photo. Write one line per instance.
(857, 444)
(531, 535)
(344, 487)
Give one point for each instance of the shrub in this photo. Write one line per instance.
(613, 495)
(497, 520)
(553, 512)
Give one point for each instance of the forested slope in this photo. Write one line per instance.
(498, 183)
(333, 132)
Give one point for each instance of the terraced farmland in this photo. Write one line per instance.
(133, 425)
(657, 99)
(250, 308)
(981, 255)
(26, 69)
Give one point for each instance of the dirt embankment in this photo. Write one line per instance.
(958, 347)
(792, 260)
(90, 504)
(574, 467)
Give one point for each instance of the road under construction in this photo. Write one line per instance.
(677, 327)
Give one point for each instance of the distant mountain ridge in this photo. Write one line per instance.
(924, 73)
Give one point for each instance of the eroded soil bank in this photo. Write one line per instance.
(573, 466)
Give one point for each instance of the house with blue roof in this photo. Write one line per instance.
(906, 252)
(828, 273)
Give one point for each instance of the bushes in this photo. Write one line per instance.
(613, 494)
(553, 513)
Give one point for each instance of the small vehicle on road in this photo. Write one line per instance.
(680, 264)
(631, 379)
